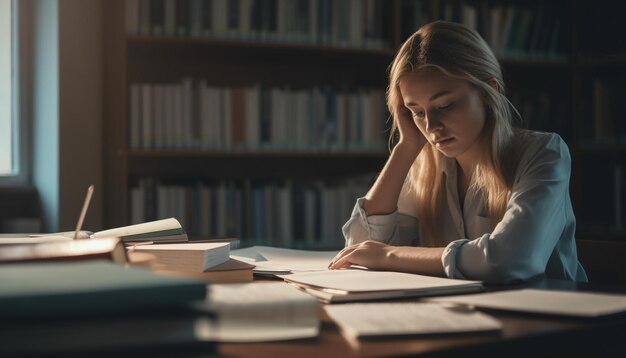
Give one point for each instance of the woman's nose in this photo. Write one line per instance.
(433, 123)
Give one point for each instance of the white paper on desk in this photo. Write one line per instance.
(583, 304)
(257, 312)
(393, 319)
(353, 280)
(284, 260)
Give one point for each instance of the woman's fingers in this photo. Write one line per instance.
(364, 254)
(342, 262)
(343, 253)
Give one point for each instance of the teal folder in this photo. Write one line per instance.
(54, 289)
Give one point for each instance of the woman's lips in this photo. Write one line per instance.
(443, 141)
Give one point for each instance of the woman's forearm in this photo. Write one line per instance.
(383, 196)
(419, 260)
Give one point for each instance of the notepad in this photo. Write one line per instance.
(566, 303)
(368, 320)
(358, 285)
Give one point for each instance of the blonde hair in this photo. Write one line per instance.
(458, 52)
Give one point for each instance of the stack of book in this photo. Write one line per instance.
(206, 261)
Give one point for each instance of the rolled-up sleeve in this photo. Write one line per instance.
(521, 244)
(448, 259)
(394, 228)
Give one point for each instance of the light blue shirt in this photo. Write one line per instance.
(534, 237)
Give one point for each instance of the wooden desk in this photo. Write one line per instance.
(522, 336)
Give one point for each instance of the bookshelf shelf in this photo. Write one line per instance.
(536, 61)
(259, 154)
(235, 166)
(598, 148)
(617, 59)
(550, 66)
(252, 45)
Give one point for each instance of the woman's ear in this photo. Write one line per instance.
(494, 83)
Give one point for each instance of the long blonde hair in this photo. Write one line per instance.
(459, 52)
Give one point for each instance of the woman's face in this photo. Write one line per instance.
(448, 111)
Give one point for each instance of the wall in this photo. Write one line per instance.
(66, 101)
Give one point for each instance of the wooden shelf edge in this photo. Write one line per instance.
(254, 154)
(590, 147)
(617, 59)
(270, 45)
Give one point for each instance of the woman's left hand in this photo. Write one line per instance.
(371, 254)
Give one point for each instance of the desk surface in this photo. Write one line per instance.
(522, 335)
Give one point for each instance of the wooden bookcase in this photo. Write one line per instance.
(555, 85)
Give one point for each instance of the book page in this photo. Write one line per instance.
(389, 319)
(149, 227)
(585, 304)
(258, 312)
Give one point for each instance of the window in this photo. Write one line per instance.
(8, 122)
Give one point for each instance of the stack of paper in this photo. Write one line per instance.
(581, 304)
(364, 320)
(196, 257)
(231, 271)
(358, 285)
(259, 312)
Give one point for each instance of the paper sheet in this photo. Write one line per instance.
(389, 319)
(584, 304)
(279, 261)
(258, 312)
(351, 280)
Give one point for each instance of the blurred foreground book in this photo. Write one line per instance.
(70, 307)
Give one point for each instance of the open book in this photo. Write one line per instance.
(161, 231)
(359, 285)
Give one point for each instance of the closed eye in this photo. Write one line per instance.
(445, 106)
(418, 115)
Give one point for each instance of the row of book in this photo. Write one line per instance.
(605, 36)
(608, 108)
(540, 110)
(603, 212)
(193, 115)
(513, 30)
(287, 214)
(352, 23)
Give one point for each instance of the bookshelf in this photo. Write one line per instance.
(558, 74)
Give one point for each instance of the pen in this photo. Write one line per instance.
(83, 212)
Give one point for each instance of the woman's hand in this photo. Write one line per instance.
(371, 254)
(381, 257)
(410, 135)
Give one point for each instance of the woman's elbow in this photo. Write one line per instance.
(506, 271)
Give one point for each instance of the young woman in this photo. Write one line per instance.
(463, 194)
